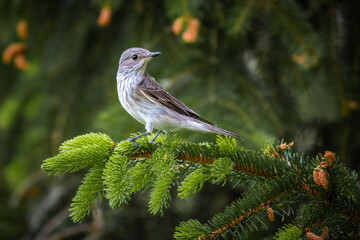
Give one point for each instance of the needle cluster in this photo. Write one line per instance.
(278, 181)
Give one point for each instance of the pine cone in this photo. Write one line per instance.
(323, 179)
(316, 175)
(20, 61)
(177, 26)
(325, 233)
(286, 146)
(190, 34)
(104, 18)
(12, 50)
(324, 164)
(312, 236)
(22, 29)
(330, 156)
(271, 214)
(194, 23)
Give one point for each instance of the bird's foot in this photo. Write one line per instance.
(132, 140)
(136, 137)
(145, 133)
(153, 143)
(153, 140)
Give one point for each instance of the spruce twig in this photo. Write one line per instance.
(280, 178)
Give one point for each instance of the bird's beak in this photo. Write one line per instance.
(151, 56)
(154, 54)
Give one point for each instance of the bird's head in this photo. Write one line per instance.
(135, 60)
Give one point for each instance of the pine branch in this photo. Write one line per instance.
(88, 193)
(116, 180)
(327, 192)
(251, 205)
(288, 232)
(88, 150)
(240, 23)
(164, 170)
(194, 182)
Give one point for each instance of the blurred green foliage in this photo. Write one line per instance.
(263, 69)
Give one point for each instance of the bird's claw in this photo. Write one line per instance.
(154, 143)
(132, 140)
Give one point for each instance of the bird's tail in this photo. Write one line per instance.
(215, 129)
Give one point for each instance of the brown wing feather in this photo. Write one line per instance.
(153, 90)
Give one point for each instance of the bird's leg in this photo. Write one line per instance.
(153, 140)
(136, 137)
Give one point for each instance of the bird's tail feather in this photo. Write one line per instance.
(215, 129)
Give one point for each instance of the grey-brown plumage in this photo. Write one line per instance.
(153, 90)
(145, 100)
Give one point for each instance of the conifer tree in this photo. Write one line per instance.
(325, 192)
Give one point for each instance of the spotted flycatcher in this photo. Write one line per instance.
(146, 101)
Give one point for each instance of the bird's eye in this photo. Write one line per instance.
(134, 56)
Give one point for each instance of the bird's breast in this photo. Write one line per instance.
(133, 100)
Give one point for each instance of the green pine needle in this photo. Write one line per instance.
(141, 176)
(227, 145)
(220, 169)
(116, 180)
(90, 139)
(163, 164)
(194, 182)
(80, 152)
(275, 180)
(191, 229)
(87, 194)
(289, 232)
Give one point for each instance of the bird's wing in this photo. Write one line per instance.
(152, 90)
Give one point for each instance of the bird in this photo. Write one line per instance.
(146, 101)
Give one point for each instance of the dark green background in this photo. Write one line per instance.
(243, 73)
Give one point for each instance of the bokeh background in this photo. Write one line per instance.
(264, 69)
